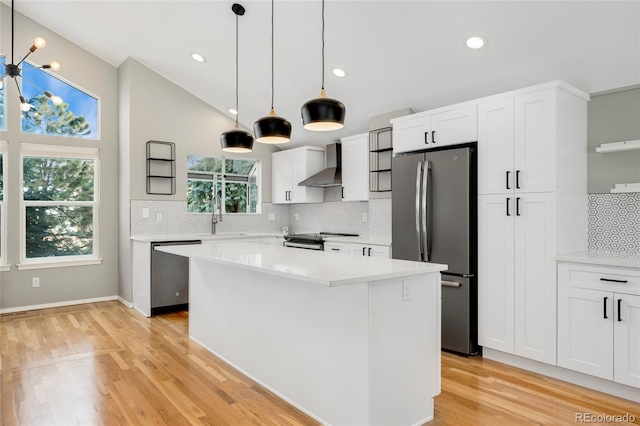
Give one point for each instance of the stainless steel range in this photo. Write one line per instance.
(311, 241)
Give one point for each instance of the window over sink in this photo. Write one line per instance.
(236, 182)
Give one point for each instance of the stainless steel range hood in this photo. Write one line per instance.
(332, 174)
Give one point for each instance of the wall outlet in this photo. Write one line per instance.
(406, 291)
(296, 216)
(35, 282)
(159, 217)
(365, 218)
(272, 216)
(145, 213)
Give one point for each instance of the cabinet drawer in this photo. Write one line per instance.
(336, 247)
(621, 280)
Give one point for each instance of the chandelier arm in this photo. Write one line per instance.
(22, 60)
(18, 86)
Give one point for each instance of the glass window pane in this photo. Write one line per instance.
(204, 164)
(236, 198)
(199, 196)
(58, 179)
(59, 231)
(76, 116)
(238, 167)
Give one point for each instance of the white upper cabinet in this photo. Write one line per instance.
(436, 128)
(495, 141)
(291, 167)
(355, 168)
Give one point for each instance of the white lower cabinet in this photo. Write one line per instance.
(371, 250)
(599, 322)
(516, 269)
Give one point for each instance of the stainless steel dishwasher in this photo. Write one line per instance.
(169, 279)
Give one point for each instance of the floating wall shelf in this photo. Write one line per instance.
(619, 146)
(161, 168)
(626, 187)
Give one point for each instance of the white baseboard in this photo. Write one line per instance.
(125, 303)
(57, 304)
(580, 379)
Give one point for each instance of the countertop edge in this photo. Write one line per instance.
(602, 258)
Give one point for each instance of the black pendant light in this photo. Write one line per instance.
(272, 129)
(323, 113)
(14, 71)
(236, 139)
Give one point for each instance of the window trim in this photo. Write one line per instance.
(4, 150)
(75, 86)
(220, 177)
(59, 151)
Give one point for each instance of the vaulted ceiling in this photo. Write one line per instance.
(397, 53)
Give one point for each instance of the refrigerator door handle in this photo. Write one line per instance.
(450, 284)
(418, 192)
(425, 221)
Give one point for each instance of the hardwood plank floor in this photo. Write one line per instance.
(105, 364)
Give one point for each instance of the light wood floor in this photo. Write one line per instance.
(105, 364)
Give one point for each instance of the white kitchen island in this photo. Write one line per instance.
(349, 340)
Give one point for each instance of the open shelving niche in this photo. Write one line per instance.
(621, 147)
(161, 168)
(380, 154)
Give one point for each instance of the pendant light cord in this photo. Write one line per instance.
(272, 43)
(12, 37)
(237, 110)
(322, 44)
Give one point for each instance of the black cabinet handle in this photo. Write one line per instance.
(619, 308)
(613, 281)
(507, 184)
(369, 251)
(508, 200)
(343, 192)
(335, 249)
(363, 249)
(433, 136)
(426, 138)
(286, 195)
(518, 206)
(605, 308)
(518, 179)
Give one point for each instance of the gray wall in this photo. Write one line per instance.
(96, 76)
(153, 108)
(613, 117)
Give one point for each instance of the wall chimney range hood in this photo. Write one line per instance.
(332, 174)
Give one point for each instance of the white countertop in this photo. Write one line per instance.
(318, 267)
(603, 258)
(359, 240)
(202, 237)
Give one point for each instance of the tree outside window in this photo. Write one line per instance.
(3, 96)
(235, 182)
(59, 205)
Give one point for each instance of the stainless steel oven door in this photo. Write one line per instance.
(308, 246)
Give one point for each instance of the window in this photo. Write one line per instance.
(3, 96)
(3, 246)
(76, 117)
(235, 182)
(59, 203)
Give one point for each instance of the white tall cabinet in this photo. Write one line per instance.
(292, 166)
(532, 205)
(355, 167)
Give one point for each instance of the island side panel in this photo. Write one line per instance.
(404, 349)
(141, 277)
(306, 342)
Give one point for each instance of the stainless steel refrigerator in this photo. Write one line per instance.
(434, 219)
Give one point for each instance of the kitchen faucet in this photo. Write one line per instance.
(215, 219)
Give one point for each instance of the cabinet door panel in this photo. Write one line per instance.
(585, 337)
(358, 249)
(409, 134)
(535, 141)
(535, 277)
(456, 126)
(379, 251)
(282, 177)
(496, 174)
(355, 169)
(626, 339)
(495, 273)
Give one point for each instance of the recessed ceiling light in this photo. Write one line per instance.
(338, 72)
(475, 42)
(198, 57)
(233, 111)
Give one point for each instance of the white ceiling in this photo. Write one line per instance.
(398, 53)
